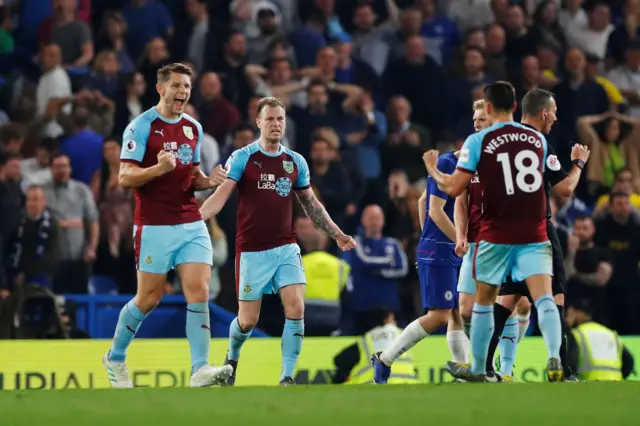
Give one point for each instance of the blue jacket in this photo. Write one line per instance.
(377, 265)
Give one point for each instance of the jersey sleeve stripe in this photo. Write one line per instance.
(302, 188)
(130, 160)
(462, 169)
(229, 177)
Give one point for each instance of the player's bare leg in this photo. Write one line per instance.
(149, 294)
(292, 297)
(195, 279)
(549, 322)
(410, 336)
(523, 314)
(239, 331)
(457, 340)
(482, 325)
(466, 301)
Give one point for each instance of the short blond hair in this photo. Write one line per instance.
(270, 102)
(478, 105)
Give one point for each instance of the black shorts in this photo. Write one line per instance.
(559, 276)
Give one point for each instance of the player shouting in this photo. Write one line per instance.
(160, 159)
(509, 158)
(267, 258)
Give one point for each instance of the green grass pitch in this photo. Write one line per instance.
(543, 404)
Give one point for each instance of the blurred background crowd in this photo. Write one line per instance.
(369, 85)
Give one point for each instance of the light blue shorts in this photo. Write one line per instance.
(494, 262)
(466, 284)
(160, 248)
(266, 272)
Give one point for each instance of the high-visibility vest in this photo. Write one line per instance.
(377, 340)
(326, 277)
(600, 352)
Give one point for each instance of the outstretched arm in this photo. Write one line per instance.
(317, 213)
(216, 202)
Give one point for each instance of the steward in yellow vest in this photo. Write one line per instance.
(594, 351)
(353, 364)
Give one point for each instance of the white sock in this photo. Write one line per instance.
(411, 335)
(458, 343)
(523, 325)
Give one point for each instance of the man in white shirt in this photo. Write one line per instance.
(593, 37)
(36, 171)
(626, 77)
(54, 83)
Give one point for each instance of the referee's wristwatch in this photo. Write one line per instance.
(578, 163)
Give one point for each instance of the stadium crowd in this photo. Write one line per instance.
(369, 85)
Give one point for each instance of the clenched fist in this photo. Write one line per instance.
(430, 159)
(166, 161)
(580, 152)
(218, 176)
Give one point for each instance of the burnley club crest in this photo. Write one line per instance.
(288, 166)
(188, 131)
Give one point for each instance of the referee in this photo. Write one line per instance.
(539, 113)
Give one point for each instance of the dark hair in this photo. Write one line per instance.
(5, 157)
(615, 194)
(164, 73)
(316, 19)
(619, 172)
(80, 117)
(501, 95)
(535, 101)
(232, 34)
(316, 82)
(242, 127)
(8, 133)
(58, 154)
(582, 217)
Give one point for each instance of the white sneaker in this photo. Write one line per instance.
(208, 375)
(118, 373)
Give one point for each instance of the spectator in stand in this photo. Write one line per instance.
(594, 65)
(146, 20)
(11, 195)
(377, 265)
(576, 95)
(627, 77)
(549, 59)
(546, 26)
(36, 171)
(218, 113)
(330, 178)
(232, 71)
(369, 39)
(241, 135)
(418, 78)
(439, 32)
(410, 26)
(470, 14)
(281, 84)
(619, 231)
(364, 130)
(84, 148)
(114, 255)
(520, 40)
(588, 268)
(623, 183)
(105, 76)
(572, 16)
(399, 222)
(129, 101)
(11, 139)
(197, 44)
(71, 34)
(268, 19)
(73, 206)
(612, 139)
(6, 29)
(307, 40)
(33, 249)
(494, 56)
(318, 113)
(406, 141)
(112, 37)
(155, 56)
(54, 84)
(593, 37)
(625, 33)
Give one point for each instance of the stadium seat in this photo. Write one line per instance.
(102, 284)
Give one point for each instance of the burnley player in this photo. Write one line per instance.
(509, 158)
(467, 214)
(268, 260)
(160, 160)
(539, 113)
(438, 271)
